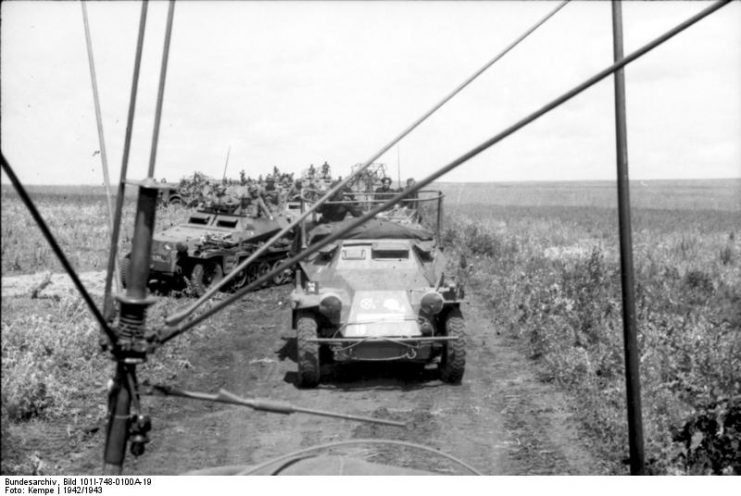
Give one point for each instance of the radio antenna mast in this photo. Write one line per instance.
(398, 165)
(226, 164)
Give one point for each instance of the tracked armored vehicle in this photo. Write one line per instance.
(214, 240)
(379, 293)
(171, 194)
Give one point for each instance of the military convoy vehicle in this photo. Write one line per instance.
(378, 294)
(171, 194)
(214, 240)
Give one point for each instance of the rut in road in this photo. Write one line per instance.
(500, 420)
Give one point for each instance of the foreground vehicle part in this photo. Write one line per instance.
(304, 462)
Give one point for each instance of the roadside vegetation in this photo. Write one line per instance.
(53, 369)
(552, 278)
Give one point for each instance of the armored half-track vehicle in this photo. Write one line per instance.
(214, 240)
(171, 194)
(379, 293)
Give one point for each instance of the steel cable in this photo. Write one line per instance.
(406, 444)
(179, 316)
(101, 134)
(447, 168)
(161, 88)
(107, 301)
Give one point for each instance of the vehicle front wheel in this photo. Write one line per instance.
(205, 275)
(453, 363)
(307, 352)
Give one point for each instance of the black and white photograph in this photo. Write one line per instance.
(370, 238)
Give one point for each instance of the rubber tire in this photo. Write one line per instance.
(125, 269)
(307, 353)
(263, 268)
(453, 362)
(240, 280)
(200, 273)
(281, 277)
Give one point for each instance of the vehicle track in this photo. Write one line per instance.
(501, 419)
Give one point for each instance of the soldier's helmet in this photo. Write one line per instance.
(386, 181)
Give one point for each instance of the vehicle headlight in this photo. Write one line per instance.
(432, 303)
(425, 326)
(331, 306)
(312, 287)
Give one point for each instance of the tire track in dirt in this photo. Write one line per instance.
(500, 420)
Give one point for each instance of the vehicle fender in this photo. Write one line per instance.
(191, 260)
(304, 301)
(295, 312)
(448, 306)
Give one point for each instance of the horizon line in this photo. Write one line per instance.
(4, 182)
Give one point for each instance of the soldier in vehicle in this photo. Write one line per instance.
(271, 193)
(384, 192)
(410, 200)
(338, 211)
(254, 205)
(234, 196)
(294, 191)
(206, 199)
(326, 171)
(219, 196)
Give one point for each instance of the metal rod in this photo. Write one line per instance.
(173, 332)
(225, 396)
(117, 430)
(419, 339)
(632, 375)
(107, 300)
(161, 89)
(99, 122)
(226, 163)
(57, 249)
(141, 244)
(179, 316)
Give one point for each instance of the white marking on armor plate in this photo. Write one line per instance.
(392, 305)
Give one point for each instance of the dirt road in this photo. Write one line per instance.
(501, 420)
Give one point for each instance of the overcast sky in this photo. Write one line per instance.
(290, 84)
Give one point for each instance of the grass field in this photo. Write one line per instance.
(551, 272)
(545, 256)
(78, 218)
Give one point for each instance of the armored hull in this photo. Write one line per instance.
(210, 245)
